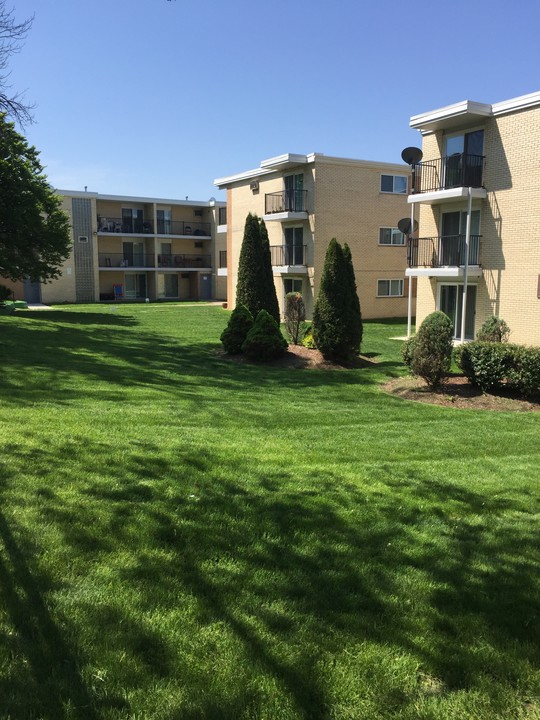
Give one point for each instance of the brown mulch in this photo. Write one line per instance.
(457, 392)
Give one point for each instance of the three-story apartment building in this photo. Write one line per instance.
(479, 212)
(305, 201)
(132, 248)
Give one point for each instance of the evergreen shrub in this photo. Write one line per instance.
(240, 323)
(264, 341)
(431, 351)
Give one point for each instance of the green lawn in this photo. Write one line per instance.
(182, 537)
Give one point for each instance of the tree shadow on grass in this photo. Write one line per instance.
(295, 572)
(49, 361)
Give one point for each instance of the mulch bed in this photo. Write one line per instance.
(457, 392)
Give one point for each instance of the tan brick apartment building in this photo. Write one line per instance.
(306, 200)
(133, 248)
(479, 169)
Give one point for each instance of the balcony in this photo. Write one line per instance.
(285, 205)
(449, 177)
(443, 256)
(288, 255)
(183, 227)
(127, 226)
(125, 260)
(138, 226)
(181, 260)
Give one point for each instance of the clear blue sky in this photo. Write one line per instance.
(158, 98)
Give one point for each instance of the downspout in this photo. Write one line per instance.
(466, 265)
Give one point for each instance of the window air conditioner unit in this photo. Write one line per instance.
(254, 185)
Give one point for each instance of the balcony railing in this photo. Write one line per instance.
(222, 258)
(445, 251)
(288, 254)
(452, 171)
(126, 260)
(183, 227)
(134, 226)
(285, 201)
(181, 260)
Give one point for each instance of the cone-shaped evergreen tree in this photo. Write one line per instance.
(250, 267)
(355, 312)
(332, 328)
(269, 296)
(255, 286)
(264, 341)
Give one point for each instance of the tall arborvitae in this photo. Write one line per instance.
(250, 267)
(332, 330)
(355, 312)
(269, 299)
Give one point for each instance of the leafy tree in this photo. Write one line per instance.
(255, 286)
(264, 341)
(355, 319)
(295, 314)
(334, 332)
(12, 34)
(34, 230)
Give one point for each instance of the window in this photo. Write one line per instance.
(292, 285)
(293, 249)
(394, 184)
(389, 288)
(391, 236)
(294, 193)
(222, 216)
(164, 222)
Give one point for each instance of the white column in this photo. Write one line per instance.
(409, 301)
(466, 265)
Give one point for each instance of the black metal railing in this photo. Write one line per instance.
(285, 201)
(288, 254)
(181, 260)
(444, 251)
(183, 227)
(459, 170)
(222, 258)
(133, 226)
(126, 260)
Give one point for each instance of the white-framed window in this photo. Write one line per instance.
(391, 236)
(394, 184)
(389, 288)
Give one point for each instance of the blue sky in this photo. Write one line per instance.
(158, 98)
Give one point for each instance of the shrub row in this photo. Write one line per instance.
(490, 365)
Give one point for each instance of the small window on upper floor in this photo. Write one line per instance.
(222, 216)
(394, 184)
(391, 236)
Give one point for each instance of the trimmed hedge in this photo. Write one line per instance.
(492, 365)
(429, 353)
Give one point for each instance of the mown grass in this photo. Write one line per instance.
(184, 537)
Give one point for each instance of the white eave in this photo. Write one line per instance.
(436, 197)
(466, 112)
(469, 113)
(473, 271)
(137, 199)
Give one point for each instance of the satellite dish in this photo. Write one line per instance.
(412, 155)
(404, 226)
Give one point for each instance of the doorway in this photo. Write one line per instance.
(451, 303)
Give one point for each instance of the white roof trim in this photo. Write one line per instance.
(519, 103)
(464, 108)
(133, 198)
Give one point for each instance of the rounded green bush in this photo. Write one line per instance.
(431, 351)
(493, 330)
(234, 335)
(264, 341)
